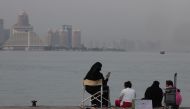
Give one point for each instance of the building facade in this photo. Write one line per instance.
(67, 29)
(22, 35)
(1, 32)
(76, 39)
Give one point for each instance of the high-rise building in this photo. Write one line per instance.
(54, 39)
(23, 23)
(49, 37)
(1, 24)
(76, 39)
(6, 34)
(23, 19)
(22, 35)
(63, 38)
(67, 29)
(1, 32)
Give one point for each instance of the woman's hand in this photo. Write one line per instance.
(108, 75)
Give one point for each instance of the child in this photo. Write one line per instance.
(126, 96)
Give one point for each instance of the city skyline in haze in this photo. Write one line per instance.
(107, 20)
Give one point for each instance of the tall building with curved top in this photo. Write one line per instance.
(23, 19)
(23, 22)
(22, 36)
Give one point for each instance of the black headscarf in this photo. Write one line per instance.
(155, 84)
(94, 73)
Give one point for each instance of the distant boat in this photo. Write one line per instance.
(162, 52)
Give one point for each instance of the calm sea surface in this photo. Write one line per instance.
(55, 77)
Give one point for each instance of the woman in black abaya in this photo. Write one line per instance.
(94, 74)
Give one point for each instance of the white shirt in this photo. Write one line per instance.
(127, 95)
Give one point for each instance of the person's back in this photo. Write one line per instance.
(126, 96)
(94, 76)
(169, 86)
(155, 94)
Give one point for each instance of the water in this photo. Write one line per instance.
(55, 77)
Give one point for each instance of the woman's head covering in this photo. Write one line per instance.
(94, 72)
(155, 84)
(96, 67)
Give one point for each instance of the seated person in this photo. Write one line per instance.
(154, 93)
(95, 75)
(126, 96)
(169, 84)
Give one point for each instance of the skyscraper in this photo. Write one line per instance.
(1, 31)
(68, 35)
(54, 39)
(22, 34)
(1, 24)
(49, 37)
(23, 23)
(23, 19)
(63, 38)
(76, 39)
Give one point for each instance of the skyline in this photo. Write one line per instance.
(56, 39)
(107, 20)
(22, 36)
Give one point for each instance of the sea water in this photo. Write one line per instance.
(55, 77)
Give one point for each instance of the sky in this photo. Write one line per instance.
(105, 20)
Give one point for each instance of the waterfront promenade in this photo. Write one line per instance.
(53, 107)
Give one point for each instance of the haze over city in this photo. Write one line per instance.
(48, 46)
(102, 21)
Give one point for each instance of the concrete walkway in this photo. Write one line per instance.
(40, 107)
(51, 107)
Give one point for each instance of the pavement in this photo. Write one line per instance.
(55, 107)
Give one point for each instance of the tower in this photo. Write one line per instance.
(49, 37)
(1, 25)
(68, 35)
(76, 39)
(1, 31)
(22, 36)
(23, 23)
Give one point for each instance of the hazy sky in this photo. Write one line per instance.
(104, 20)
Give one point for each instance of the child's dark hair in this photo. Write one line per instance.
(178, 90)
(128, 84)
(169, 82)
